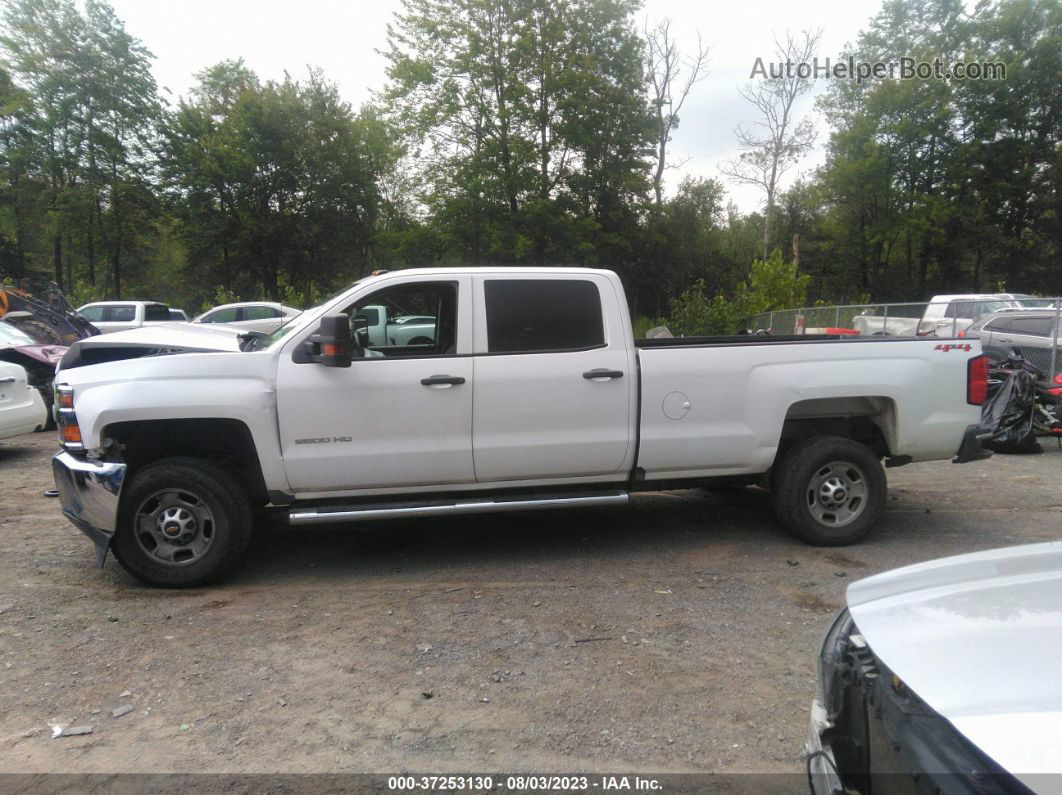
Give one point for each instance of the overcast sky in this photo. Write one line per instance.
(342, 37)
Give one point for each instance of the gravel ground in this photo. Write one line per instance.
(676, 636)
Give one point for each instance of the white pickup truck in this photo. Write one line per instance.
(531, 394)
(112, 316)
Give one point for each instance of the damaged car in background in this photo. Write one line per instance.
(944, 677)
(36, 355)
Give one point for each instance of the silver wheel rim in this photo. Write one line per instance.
(837, 494)
(174, 527)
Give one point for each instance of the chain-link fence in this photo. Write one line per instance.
(1030, 326)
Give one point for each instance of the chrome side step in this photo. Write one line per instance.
(372, 512)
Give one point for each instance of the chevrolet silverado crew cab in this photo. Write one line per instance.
(528, 392)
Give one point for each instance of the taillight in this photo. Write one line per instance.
(65, 419)
(977, 380)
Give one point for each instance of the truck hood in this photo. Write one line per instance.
(154, 340)
(979, 638)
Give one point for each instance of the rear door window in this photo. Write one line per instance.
(259, 313)
(119, 314)
(532, 315)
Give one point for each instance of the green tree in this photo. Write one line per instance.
(276, 183)
(527, 122)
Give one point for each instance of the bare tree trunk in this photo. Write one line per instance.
(57, 258)
(665, 67)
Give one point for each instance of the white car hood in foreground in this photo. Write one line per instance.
(979, 638)
(171, 335)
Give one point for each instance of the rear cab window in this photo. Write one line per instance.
(156, 312)
(119, 314)
(542, 315)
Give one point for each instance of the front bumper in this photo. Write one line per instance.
(970, 449)
(89, 492)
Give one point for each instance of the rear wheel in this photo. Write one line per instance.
(829, 491)
(183, 522)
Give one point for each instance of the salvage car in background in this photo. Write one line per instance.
(1032, 333)
(37, 356)
(110, 316)
(264, 316)
(21, 407)
(944, 677)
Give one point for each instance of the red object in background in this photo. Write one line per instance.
(1055, 391)
(850, 332)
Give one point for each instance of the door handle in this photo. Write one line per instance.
(601, 374)
(8, 380)
(442, 380)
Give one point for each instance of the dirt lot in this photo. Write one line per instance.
(675, 636)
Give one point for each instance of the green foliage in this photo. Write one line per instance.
(222, 295)
(520, 132)
(529, 124)
(84, 293)
(772, 284)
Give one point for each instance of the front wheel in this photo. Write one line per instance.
(182, 522)
(829, 491)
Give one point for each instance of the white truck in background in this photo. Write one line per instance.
(388, 325)
(110, 316)
(531, 394)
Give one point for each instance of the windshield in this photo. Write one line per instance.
(9, 335)
(993, 306)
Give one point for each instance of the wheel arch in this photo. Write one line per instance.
(870, 420)
(226, 442)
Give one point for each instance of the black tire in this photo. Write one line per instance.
(191, 497)
(40, 330)
(829, 491)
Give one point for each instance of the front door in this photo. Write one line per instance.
(399, 417)
(554, 381)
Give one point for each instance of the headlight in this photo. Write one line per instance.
(830, 656)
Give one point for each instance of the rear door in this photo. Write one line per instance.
(553, 378)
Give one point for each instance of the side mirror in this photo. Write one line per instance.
(331, 345)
